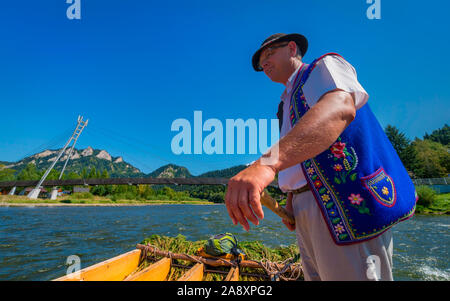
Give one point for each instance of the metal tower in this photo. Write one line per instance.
(80, 126)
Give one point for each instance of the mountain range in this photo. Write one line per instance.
(115, 166)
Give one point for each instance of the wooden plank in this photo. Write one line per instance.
(114, 269)
(194, 274)
(155, 272)
(171, 274)
(233, 275)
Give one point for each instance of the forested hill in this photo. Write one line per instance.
(92, 163)
(82, 161)
(223, 173)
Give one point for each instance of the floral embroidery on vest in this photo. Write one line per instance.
(344, 162)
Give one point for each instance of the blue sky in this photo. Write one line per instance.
(133, 67)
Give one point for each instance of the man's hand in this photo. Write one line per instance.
(243, 194)
(289, 209)
(316, 131)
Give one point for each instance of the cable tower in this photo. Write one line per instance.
(81, 124)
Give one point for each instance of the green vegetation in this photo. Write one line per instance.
(111, 194)
(431, 203)
(254, 251)
(170, 170)
(432, 159)
(402, 145)
(427, 196)
(144, 193)
(82, 196)
(117, 193)
(441, 136)
(6, 174)
(223, 173)
(423, 158)
(139, 193)
(91, 200)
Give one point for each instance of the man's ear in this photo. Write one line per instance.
(292, 48)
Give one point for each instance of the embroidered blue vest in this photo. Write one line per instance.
(359, 182)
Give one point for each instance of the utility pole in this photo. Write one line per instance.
(81, 124)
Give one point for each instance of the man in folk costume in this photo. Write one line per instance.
(345, 183)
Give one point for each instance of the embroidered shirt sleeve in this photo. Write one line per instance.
(333, 72)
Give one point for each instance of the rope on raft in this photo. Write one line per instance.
(276, 274)
(275, 270)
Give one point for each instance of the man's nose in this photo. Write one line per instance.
(264, 64)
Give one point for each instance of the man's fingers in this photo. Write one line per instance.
(255, 202)
(290, 226)
(244, 206)
(230, 213)
(233, 208)
(236, 210)
(228, 205)
(289, 209)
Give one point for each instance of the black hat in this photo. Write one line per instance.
(299, 39)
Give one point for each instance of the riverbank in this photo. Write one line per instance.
(440, 206)
(67, 201)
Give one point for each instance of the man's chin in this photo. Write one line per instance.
(274, 79)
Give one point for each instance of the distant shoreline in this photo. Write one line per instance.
(95, 201)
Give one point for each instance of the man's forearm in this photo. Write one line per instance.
(316, 130)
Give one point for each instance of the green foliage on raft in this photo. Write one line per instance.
(253, 249)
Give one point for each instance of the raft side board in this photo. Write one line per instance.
(155, 272)
(114, 269)
(194, 274)
(233, 275)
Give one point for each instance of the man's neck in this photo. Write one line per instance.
(293, 67)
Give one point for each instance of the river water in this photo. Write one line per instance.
(36, 241)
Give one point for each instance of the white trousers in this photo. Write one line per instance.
(323, 259)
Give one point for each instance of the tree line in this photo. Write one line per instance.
(211, 193)
(423, 158)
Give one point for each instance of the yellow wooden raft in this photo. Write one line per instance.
(122, 267)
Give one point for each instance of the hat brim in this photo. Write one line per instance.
(299, 39)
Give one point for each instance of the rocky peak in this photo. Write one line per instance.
(74, 155)
(170, 171)
(118, 160)
(87, 152)
(104, 155)
(81, 159)
(44, 154)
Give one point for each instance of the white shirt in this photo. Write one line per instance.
(331, 72)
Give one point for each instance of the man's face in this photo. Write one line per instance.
(274, 61)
